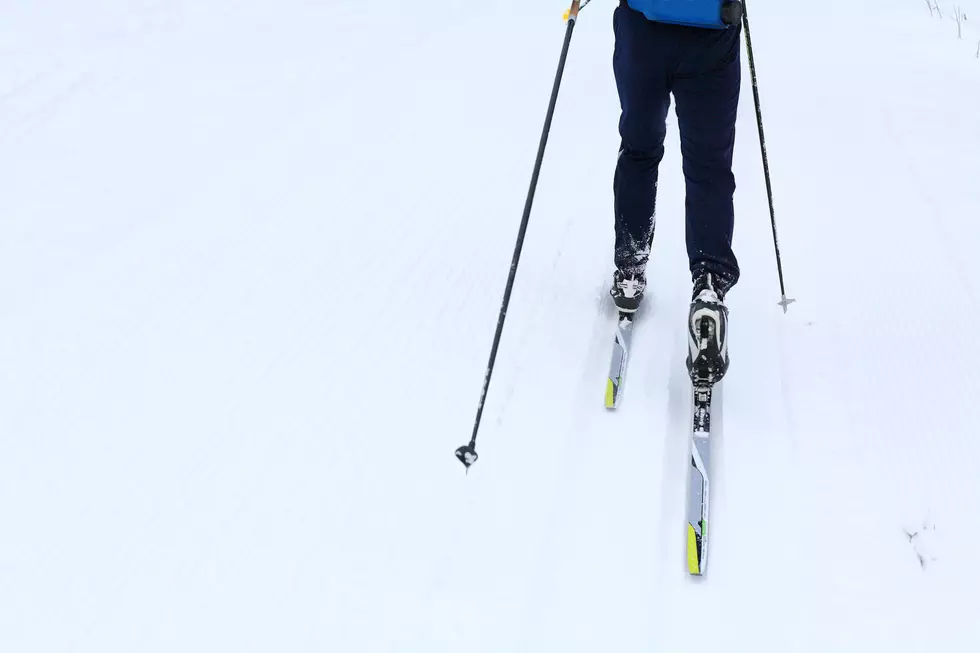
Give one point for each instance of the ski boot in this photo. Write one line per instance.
(627, 290)
(707, 359)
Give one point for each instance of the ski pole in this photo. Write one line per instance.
(467, 453)
(765, 159)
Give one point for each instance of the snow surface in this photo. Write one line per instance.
(251, 258)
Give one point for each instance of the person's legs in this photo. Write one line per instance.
(706, 91)
(641, 68)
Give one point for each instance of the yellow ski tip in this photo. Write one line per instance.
(693, 564)
(610, 394)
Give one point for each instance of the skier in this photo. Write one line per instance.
(691, 50)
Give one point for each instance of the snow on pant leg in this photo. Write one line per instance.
(640, 66)
(706, 90)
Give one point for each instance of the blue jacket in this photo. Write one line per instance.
(697, 13)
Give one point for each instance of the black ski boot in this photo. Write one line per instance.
(707, 359)
(627, 290)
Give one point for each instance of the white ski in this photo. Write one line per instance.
(620, 356)
(698, 492)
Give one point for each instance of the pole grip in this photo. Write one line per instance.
(573, 10)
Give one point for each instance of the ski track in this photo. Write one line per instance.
(252, 263)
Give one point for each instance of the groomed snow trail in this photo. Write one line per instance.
(251, 258)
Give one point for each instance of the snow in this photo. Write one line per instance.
(251, 259)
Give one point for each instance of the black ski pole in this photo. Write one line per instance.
(467, 453)
(765, 159)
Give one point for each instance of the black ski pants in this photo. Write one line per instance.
(702, 69)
